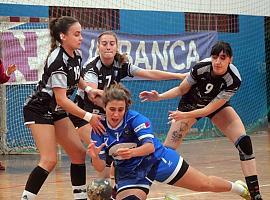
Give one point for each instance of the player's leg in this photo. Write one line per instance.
(228, 121)
(84, 133)
(68, 138)
(174, 170)
(131, 194)
(197, 181)
(83, 127)
(45, 141)
(132, 183)
(177, 132)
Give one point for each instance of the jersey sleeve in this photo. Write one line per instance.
(132, 69)
(232, 81)
(99, 139)
(57, 71)
(91, 76)
(229, 91)
(192, 76)
(142, 128)
(59, 79)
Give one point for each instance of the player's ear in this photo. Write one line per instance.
(62, 36)
(231, 60)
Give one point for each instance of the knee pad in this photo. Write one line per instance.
(244, 146)
(131, 197)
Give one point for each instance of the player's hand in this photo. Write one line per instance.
(94, 93)
(98, 101)
(124, 153)
(96, 124)
(152, 95)
(93, 150)
(176, 116)
(10, 69)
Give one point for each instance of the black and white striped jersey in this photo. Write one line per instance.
(60, 71)
(96, 72)
(205, 87)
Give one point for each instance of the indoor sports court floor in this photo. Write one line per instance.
(214, 157)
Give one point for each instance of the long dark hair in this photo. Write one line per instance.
(58, 26)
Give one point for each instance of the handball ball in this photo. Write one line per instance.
(99, 189)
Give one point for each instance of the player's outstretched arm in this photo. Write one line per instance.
(153, 95)
(159, 75)
(93, 152)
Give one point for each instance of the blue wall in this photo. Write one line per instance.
(23, 10)
(151, 22)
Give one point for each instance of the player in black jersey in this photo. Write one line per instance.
(102, 71)
(45, 111)
(206, 92)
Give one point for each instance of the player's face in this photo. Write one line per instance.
(73, 38)
(115, 111)
(107, 47)
(220, 63)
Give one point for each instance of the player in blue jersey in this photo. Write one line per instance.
(206, 92)
(108, 67)
(140, 158)
(45, 111)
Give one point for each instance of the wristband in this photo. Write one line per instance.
(7, 73)
(87, 89)
(88, 116)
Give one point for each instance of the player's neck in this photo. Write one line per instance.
(107, 62)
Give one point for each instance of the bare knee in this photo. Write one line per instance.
(48, 163)
(78, 156)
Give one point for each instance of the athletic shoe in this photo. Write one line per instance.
(258, 197)
(245, 194)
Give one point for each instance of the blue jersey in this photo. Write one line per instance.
(163, 165)
(134, 131)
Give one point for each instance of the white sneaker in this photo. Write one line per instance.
(245, 194)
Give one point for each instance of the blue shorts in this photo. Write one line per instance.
(168, 170)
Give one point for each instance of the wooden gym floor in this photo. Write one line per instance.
(213, 157)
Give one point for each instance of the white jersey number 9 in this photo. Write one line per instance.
(209, 88)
